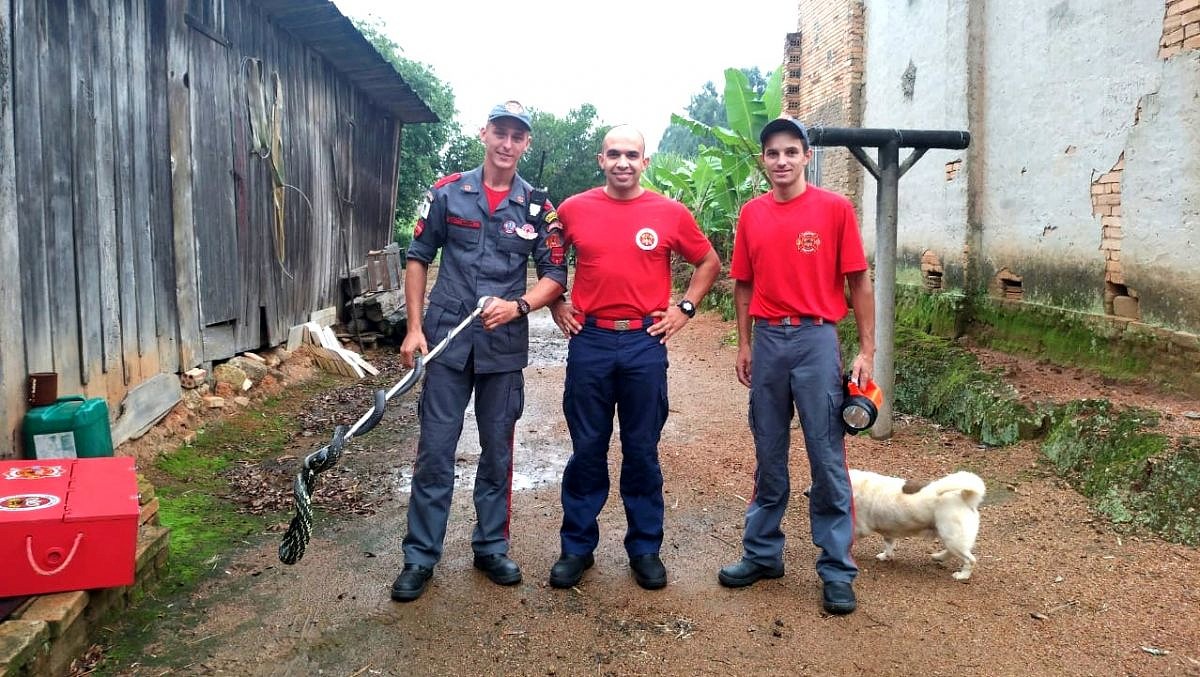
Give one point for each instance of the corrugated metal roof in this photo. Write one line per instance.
(319, 24)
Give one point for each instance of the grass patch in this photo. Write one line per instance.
(206, 528)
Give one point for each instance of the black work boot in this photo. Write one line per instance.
(746, 573)
(568, 570)
(411, 582)
(838, 597)
(499, 568)
(648, 571)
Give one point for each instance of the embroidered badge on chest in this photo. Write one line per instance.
(646, 239)
(509, 227)
(808, 242)
(527, 232)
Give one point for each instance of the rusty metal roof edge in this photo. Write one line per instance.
(399, 99)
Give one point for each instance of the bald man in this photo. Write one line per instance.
(618, 321)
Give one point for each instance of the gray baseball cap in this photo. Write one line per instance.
(790, 125)
(511, 109)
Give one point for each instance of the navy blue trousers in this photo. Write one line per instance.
(625, 372)
(800, 367)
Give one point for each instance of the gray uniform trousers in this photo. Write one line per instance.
(800, 366)
(499, 401)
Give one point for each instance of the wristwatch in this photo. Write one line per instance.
(688, 308)
(522, 306)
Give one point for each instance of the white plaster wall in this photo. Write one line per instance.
(931, 34)
(1161, 191)
(1063, 80)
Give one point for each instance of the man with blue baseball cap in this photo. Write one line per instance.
(486, 224)
(796, 253)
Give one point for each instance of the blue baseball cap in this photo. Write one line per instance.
(789, 125)
(511, 109)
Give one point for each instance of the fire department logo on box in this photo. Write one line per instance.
(24, 502)
(34, 472)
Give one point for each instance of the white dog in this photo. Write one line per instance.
(947, 508)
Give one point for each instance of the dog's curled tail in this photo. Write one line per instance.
(971, 486)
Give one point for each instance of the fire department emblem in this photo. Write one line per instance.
(510, 227)
(808, 242)
(25, 502)
(527, 232)
(34, 472)
(646, 239)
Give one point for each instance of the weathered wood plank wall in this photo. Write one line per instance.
(12, 363)
(137, 217)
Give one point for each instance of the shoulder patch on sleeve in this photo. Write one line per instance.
(446, 180)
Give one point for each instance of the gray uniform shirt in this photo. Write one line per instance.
(483, 254)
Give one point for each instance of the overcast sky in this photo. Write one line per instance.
(636, 61)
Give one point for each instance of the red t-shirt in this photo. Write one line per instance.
(494, 197)
(797, 254)
(623, 249)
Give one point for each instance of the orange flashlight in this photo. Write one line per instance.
(861, 405)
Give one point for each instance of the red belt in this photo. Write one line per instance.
(617, 325)
(792, 320)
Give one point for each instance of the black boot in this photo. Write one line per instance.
(568, 570)
(499, 568)
(648, 571)
(411, 582)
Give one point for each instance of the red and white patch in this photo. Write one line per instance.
(808, 242)
(527, 232)
(419, 228)
(26, 502)
(646, 239)
(34, 472)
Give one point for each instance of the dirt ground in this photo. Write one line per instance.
(1057, 591)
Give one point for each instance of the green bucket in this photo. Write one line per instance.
(72, 427)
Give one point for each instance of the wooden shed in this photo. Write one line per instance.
(181, 181)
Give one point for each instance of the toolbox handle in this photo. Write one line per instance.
(71, 398)
(54, 552)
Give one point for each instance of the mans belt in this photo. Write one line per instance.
(792, 320)
(618, 325)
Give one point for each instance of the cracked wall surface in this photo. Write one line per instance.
(1068, 101)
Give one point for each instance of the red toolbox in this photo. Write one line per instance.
(67, 524)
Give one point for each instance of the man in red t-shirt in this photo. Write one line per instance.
(796, 251)
(619, 320)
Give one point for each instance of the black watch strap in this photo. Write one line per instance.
(522, 306)
(687, 307)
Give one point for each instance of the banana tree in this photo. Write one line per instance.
(725, 176)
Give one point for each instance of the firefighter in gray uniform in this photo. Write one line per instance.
(487, 223)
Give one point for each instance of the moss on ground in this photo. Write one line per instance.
(1115, 456)
(206, 526)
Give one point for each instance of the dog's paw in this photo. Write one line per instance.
(962, 576)
(941, 556)
(883, 556)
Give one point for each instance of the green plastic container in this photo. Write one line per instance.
(72, 427)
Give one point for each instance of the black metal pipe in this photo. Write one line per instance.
(877, 138)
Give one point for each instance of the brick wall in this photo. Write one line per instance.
(1181, 28)
(1119, 299)
(824, 80)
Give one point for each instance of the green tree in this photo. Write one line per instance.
(727, 174)
(564, 151)
(421, 145)
(707, 107)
